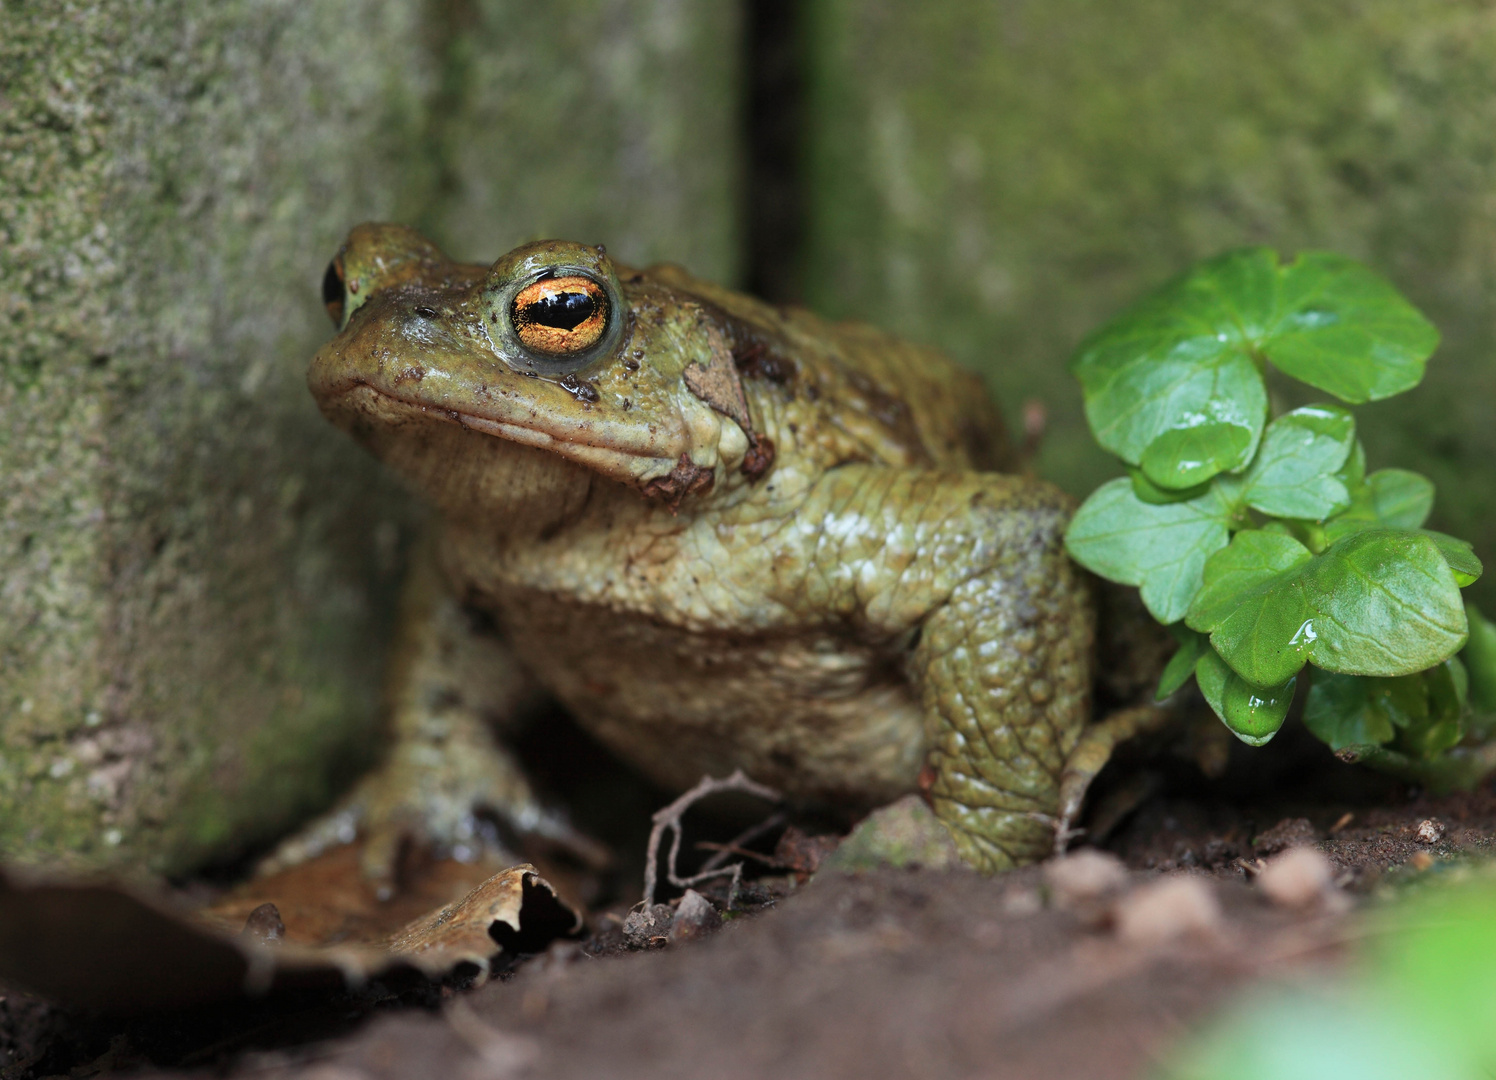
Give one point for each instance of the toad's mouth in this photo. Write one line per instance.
(631, 453)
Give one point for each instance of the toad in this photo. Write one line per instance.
(723, 534)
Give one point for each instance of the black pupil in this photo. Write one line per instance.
(561, 311)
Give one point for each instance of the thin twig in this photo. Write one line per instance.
(670, 818)
(744, 838)
(724, 850)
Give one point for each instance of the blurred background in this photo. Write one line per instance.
(198, 571)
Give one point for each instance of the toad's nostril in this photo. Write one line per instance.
(332, 293)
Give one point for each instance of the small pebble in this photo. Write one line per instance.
(1299, 878)
(695, 917)
(648, 927)
(1085, 876)
(264, 926)
(1177, 906)
(1430, 831)
(1421, 861)
(1288, 833)
(1019, 903)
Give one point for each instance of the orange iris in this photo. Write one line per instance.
(560, 316)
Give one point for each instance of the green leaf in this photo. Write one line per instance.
(1423, 712)
(1459, 768)
(1400, 499)
(1254, 557)
(1353, 472)
(1380, 602)
(1460, 556)
(1480, 660)
(1149, 492)
(1405, 698)
(1295, 473)
(1406, 702)
(1389, 499)
(1181, 360)
(1161, 548)
(1184, 457)
(1448, 688)
(1430, 740)
(1345, 330)
(1181, 665)
(1340, 711)
(1174, 384)
(1445, 687)
(1254, 714)
(1433, 961)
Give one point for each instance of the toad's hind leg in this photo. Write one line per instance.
(1003, 670)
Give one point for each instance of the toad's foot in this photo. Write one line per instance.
(443, 791)
(1092, 752)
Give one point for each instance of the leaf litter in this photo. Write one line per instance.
(115, 949)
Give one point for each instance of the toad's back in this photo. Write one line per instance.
(908, 405)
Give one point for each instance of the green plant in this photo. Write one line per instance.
(1262, 541)
(1416, 1002)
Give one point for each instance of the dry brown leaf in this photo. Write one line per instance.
(102, 946)
(326, 901)
(469, 930)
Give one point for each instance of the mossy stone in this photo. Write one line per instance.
(998, 179)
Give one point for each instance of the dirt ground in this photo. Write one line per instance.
(890, 973)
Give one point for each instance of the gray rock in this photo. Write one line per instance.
(906, 832)
(695, 917)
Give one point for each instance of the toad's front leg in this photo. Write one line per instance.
(449, 682)
(1003, 669)
(1002, 664)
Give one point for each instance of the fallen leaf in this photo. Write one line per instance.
(104, 946)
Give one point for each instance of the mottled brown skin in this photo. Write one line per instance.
(730, 535)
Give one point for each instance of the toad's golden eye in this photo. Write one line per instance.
(560, 316)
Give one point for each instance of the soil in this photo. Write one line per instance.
(891, 973)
